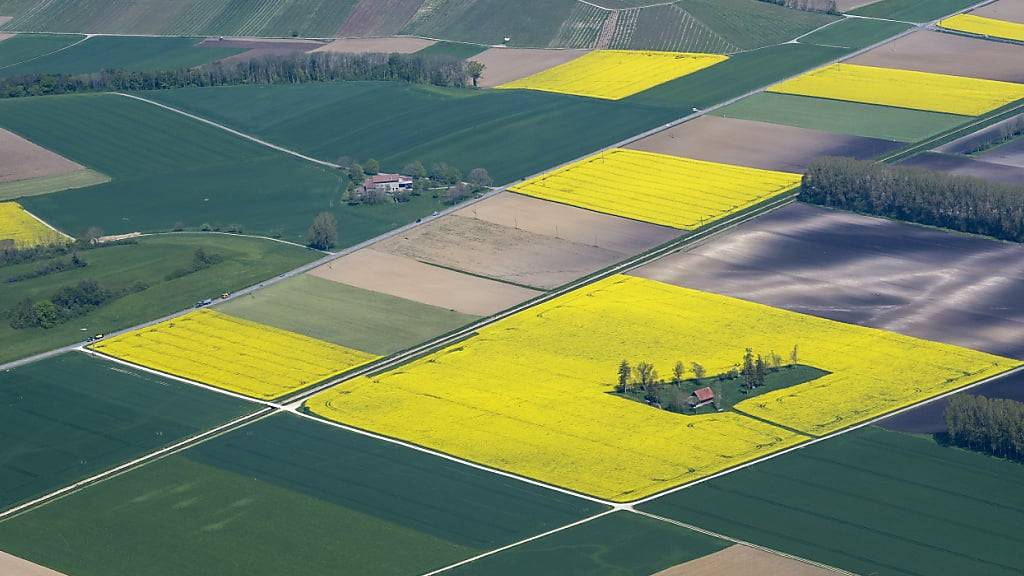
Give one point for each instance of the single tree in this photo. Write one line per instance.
(760, 371)
(371, 166)
(748, 369)
(645, 375)
(479, 177)
(456, 193)
(415, 170)
(323, 232)
(91, 235)
(677, 372)
(475, 70)
(624, 372)
(794, 355)
(344, 162)
(698, 371)
(356, 174)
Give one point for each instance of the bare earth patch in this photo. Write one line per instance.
(943, 53)
(927, 283)
(259, 47)
(378, 17)
(406, 278)
(1010, 154)
(14, 566)
(740, 560)
(847, 5)
(504, 253)
(758, 144)
(967, 166)
(966, 144)
(1012, 10)
(508, 64)
(5, 20)
(5, 36)
(402, 45)
(21, 159)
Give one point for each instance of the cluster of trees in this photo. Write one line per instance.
(438, 70)
(200, 261)
(1009, 131)
(992, 426)
(323, 232)
(50, 267)
(958, 203)
(67, 303)
(826, 6)
(11, 255)
(440, 176)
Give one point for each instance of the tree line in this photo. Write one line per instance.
(438, 70)
(992, 426)
(1009, 131)
(960, 203)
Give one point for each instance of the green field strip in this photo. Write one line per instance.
(840, 117)
(872, 502)
(855, 33)
(455, 49)
(68, 417)
(533, 23)
(245, 261)
(287, 495)
(752, 24)
(48, 184)
(26, 46)
(362, 319)
(913, 10)
(618, 544)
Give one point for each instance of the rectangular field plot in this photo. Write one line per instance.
(615, 74)
(912, 10)
(23, 230)
(872, 502)
(253, 359)
(287, 495)
(903, 89)
(66, 418)
(982, 26)
(657, 188)
(27, 46)
(943, 53)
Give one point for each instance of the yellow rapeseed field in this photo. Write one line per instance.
(530, 394)
(985, 26)
(616, 74)
(904, 89)
(253, 359)
(658, 188)
(26, 231)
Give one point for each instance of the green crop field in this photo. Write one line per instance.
(169, 170)
(456, 49)
(751, 24)
(68, 417)
(349, 316)
(619, 544)
(872, 502)
(913, 10)
(527, 22)
(898, 124)
(246, 261)
(512, 133)
(855, 33)
(50, 184)
(27, 46)
(123, 52)
(287, 495)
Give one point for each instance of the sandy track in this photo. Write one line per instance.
(942, 53)
(1012, 10)
(508, 64)
(21, 159)
(401, 45)
(967, 166)
(740, 560)
(758, 144)
(406, 278)
(14, 566)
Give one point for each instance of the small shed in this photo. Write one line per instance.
(702, 396)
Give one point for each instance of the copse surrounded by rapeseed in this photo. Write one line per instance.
(984, 26)
(531, 394)
(17, 225)
(616, 74)
(903, 89)
(246, 357)
(658, 188)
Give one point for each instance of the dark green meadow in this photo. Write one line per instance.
(27, 46)
(913, 10)
(287, 495)
(871, 502)
(66, 418)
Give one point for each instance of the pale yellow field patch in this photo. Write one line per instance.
(984, 26)
(24, 229)
(903, 89)
(616, 74)
(658, 188)
(238, 355)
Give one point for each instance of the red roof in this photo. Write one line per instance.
(384, 178)
(704, 394)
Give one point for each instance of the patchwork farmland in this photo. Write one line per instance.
(430, 287)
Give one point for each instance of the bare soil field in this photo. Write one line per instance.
(847, 5)
(740, 560)
(1010, 154)
(967, 166)
(379, 17)
(508, 64)
(566, 222)
(21, 159)
(14, 566)
(1012, 10)
(5, 20)
(402, 45)
(5, 36)
(758, 144)
(407, 278)
(928, 419)
(259, 47)
(943, 53)
(965, 144)
(909, 279)
(500, 252)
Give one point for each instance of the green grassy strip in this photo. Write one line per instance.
(855, 33)
(456, 49)
(913, 10)
(48, 184)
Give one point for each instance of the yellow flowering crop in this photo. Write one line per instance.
(985, 26)
(26, 231)
(667, 190)
(615, 74)
(234, 354)
(530, 394)
(904, 89)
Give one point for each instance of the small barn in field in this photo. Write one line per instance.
(702, 397)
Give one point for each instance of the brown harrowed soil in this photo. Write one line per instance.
(21, 159)
(406, 278)
(758, 144)
(379, 17)
(14, 566)
(847, 5)
(2, 35)
(1010, 154)
(508, 64)
(740, 560)
(402, 45)
(1012, 10)
(960, 165)
(942, 53)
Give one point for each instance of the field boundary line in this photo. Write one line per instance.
(44, 222)
(243, 235)
(72, 45)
